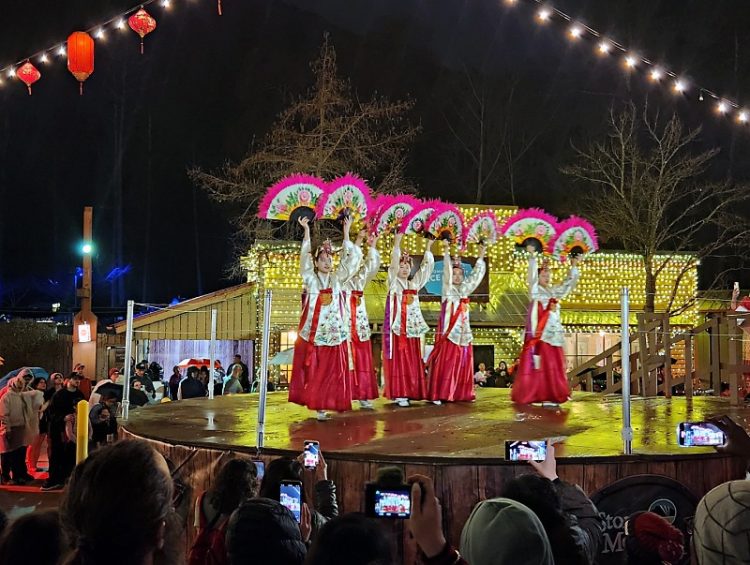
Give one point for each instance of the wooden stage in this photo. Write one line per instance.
(460, 445)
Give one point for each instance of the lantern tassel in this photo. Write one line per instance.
(141, 46)
(29, 87)
(219, 7)
(80, 89)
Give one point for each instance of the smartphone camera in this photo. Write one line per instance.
(699, 434)
(311, 454)
(525, 450)
(260, 469)
(290, 496)
(388, 502)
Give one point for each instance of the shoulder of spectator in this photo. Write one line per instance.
(448, 556)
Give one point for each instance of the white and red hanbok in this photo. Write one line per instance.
(405, 327)
(320, 368)
(364, 384)
(541, 375)
(450, 367)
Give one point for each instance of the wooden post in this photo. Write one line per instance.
(733, 360)
(715, 355)
(85, 322)
(667, 344)
(643, 354)
(689, 364)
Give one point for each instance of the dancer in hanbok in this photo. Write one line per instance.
(320, 369)
(402, 347)
(541, 374)
(450, 368)
(364, 384)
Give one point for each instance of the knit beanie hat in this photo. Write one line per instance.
(651, 537)
(501, 531)
(721, 534)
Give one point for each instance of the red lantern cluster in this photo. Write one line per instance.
(142, 23)
(80, 56)
(28, 74)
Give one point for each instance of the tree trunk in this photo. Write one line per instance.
(648, 263)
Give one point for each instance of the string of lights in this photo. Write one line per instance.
(57, 51)
(632, 60)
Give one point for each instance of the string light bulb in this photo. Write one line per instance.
(120, 24)
(680, 86)
(700, 96)
(510, 2)
(11, 72)
(43, 58)
(61, 51)
(543, 14)
(655, 74)
(722, 107)
(742, 117)
(631, 61)
(575, 32)
(165, 3)
(604, 47)
(99, 33)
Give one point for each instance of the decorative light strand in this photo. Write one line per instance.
(631, 60)
(99, 31)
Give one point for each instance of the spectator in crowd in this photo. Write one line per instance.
(262, 531)
(35, 447)
(155, 372)
(353, 539)
(501, 531)
(244, 376)
(117, 508)
(480, 377)
(190, 387)
(651, 540)
(570, 519)
(426, 524)
(141, 376)
(35, 538)
(235, 482)
(56, 382)
(84, 384)
(19, 423)
(138, 398)
(174, 382)
(110, 384)
(62, 452)
(323, 507)
(103, 418)
(503, 375)
(233, 384)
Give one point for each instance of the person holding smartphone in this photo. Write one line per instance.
(451, 363)
(741, 306)
(364, 382)
(320, 367)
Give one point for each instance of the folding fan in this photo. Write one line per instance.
(391, 211)
(291, 197)
(575, 237)
(446, 222)
(348, 195)
(531, 227)
(483, 229)
(416, 222)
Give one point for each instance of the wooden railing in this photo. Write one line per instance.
(653, 348)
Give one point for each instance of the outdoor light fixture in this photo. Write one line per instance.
(61, 51)
(575, 32)
(55, 306)
(87, 248)
(11, 72)
(543, 14)
(655, 74)
(742, 117)
(722, 107)
(120, 24)
(84, 333)
(680, 86)
(630, 62)
(44, 58)
(99, 34)
(604, 47)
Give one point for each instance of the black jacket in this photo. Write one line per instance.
(326, 506)
(585, 526)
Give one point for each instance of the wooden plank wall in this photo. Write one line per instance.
(459, 487)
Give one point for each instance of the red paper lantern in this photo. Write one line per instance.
(80, 56)
(142, 23)
(28, 74)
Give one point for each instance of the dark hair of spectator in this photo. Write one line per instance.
(236, 481)
(282, 469)
(353, 539)
(117, 504)
(35, 382)
(34, 538)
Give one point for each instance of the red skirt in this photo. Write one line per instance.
(404, 372)
(320, 377)
(450, 371)
(548, 383)
(364, 383)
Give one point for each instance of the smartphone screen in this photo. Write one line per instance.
(290, 496)
(260, 469)
(391, 502)
(526, 450)
(311, 457)
(699, 434)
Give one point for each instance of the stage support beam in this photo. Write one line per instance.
(627, 430)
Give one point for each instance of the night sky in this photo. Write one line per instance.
(207, 85)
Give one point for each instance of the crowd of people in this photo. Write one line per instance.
(127, 504)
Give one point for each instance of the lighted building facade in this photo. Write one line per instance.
(591, 314)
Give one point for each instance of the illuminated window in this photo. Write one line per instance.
(286, 341)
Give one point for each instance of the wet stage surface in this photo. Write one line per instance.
(451, 433)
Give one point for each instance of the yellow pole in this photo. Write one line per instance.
(82, 431)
